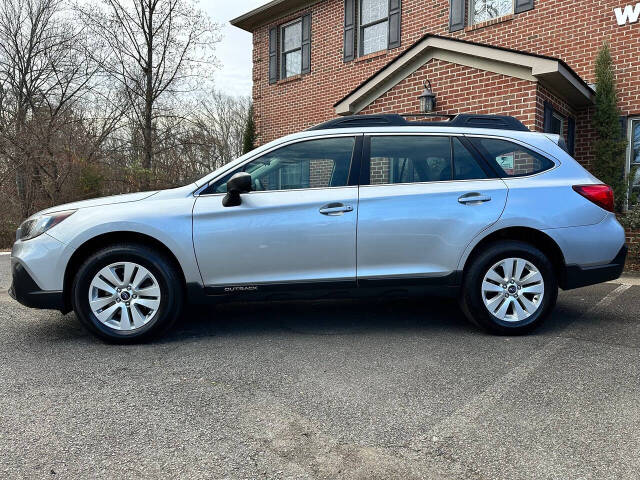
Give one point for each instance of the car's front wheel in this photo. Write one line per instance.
(127, 293)
(509, 288)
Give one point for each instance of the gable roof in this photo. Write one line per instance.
(551, 72)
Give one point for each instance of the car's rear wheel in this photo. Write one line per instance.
(127, 293)
(509, 288)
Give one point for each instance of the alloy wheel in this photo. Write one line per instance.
(124, 296)
(513, 289)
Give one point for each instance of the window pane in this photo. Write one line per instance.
(312, 164)
(511, 159)
(401, 159)
(465, 166)
(292, 36)
(373, 10)
(635, 186)
(557, 125)
(483, 10)
(635, 141)
(374, 38)
(293, 63)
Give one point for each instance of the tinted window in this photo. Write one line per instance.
(404, 159)
(511, 160)
(311, 164)
(465, 165)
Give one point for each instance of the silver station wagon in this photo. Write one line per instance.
(478, 207)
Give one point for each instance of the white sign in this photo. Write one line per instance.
(505, 162)
(629, 14)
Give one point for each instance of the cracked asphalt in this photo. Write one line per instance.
(326, 390)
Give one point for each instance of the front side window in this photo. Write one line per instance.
(291, 48)
(374, 25)
(484, 10)
(510, 159)
(320, 163)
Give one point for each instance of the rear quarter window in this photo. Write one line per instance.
(510, 159)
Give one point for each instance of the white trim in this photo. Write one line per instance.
(629, 152)
(549, 72)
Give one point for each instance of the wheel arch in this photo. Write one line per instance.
(529, 235)
(103, 240)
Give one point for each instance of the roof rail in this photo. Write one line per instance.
(462, 120)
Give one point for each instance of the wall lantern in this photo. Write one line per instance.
(427, 99)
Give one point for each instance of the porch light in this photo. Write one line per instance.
(427, 99)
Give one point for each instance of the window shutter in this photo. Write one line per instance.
(523, 6)
(457, 15)
(571, 135)
(394, 23)
(349, 30)
(548, 117)
(273, 55)
(306, 44)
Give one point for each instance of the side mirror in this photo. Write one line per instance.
(239, 183)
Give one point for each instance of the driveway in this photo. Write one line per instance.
(350, 389)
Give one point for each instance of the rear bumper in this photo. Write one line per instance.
(25, 290)
(576, 276)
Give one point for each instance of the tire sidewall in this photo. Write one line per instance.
(474, 303)
(170, 291)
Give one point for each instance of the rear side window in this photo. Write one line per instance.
(510, 159)
(465, 166)
(409, 159)
(405, 159)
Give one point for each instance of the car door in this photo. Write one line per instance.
(297, 225)
(423, 199)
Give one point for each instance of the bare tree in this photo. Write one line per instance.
(43, 73)
(154, 50)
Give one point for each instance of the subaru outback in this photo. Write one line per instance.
(477, 208)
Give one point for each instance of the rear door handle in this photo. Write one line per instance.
(334, 209)
(473, 198)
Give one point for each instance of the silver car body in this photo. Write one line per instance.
(393, 231)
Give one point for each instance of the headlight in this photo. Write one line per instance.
(37, 225)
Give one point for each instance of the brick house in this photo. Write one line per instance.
(532, 59)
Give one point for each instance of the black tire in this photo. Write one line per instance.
(169, 281)
(471, 297)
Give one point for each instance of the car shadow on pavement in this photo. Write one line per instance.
(320, 317)
(317, 317)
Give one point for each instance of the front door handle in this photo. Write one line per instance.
(473, 198)
(334, 209)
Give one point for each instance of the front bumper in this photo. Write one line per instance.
(25, 290)
(576, 276)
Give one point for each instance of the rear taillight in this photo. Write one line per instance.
(601, 195)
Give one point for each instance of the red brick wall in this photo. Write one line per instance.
(633, 242)
(463, 89)
(568, 29)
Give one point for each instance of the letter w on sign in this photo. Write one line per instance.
(630, 14)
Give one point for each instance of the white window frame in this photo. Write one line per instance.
(472, 21)
(283, 53)
(361, 27)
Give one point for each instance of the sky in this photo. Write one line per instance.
(234, 50)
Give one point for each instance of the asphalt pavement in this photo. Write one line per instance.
(378, 389)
